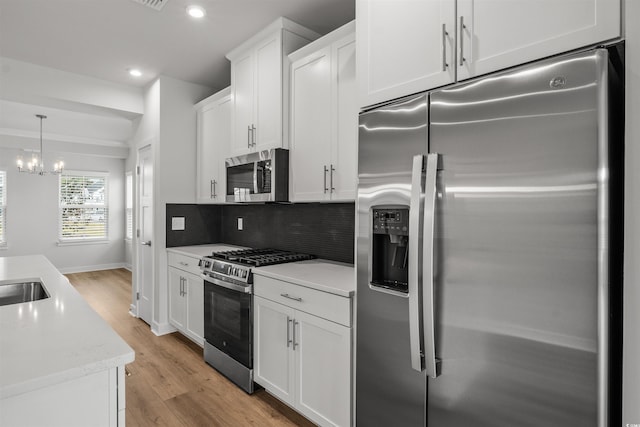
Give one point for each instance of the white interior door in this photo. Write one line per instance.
(145, 231)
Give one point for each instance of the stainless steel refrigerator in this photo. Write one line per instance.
(488, 226)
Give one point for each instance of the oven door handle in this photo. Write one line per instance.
(234, 287)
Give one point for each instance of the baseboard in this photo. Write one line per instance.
(128, 267)
(162, 328)
(133, 310)
(98, 267)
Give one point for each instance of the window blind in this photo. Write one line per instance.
(84, 213)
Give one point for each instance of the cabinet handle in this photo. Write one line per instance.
(462, 27)
(331, 179)
(290, 297)
(186, 264)
(289, 320)
(248, 136)
(325, 179)
(253, 135)
(213, 189)
(294, 335)
(181, 284)
(444, 47)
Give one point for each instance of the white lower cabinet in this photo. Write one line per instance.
(301, 358)
(186, 297)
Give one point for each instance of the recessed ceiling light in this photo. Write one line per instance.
(196, 11)
(135, 72)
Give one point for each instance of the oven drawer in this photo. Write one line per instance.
(184, 263)
(322, 304)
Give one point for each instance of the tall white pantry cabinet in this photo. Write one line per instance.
(408, 46)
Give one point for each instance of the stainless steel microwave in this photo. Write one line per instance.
(262, 176)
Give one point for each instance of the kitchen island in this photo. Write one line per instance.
(60, 362)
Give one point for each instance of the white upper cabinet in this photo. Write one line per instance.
(324, 118)
(260, 87)
(214, 132)
(407, 46)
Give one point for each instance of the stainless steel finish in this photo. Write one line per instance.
(325, 179)
(289, 320)
(603, 238)
(255, 178)
(415, 276)
(295, 344)
(461, 39)
(235, 371)
(250, 158)
(184, 286)
(147, 243)
(246, 288)
(444, 47)
(213, 189)
(248, 136)
(331, 179)
(428, 251)
(290, 297)
(27, 290)
(521, 248)
(388, 391)
(253, 136)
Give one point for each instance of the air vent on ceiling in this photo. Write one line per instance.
(153, 4)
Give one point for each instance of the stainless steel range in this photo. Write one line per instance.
(228, 308)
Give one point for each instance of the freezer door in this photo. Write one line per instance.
(389, 391)
(519, 221)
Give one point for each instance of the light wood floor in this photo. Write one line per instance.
(169, 383)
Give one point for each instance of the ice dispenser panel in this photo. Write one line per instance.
(390, 238)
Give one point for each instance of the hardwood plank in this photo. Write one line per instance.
(169, 382)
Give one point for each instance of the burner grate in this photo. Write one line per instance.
(260, 257)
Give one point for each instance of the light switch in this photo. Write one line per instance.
(177, 223)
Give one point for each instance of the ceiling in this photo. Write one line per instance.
(104, 38)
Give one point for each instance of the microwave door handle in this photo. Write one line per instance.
(255, 177)
(415, 300)
(432, 364)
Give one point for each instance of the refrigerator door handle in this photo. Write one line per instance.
(415, 241)
(431, 362)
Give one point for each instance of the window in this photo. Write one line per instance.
(84, 211)
(128, 194)
(3, 208)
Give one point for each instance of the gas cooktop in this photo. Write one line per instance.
(260, 257)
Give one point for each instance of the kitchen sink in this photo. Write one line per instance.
(22, 291)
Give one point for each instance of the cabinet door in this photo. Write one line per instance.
(404, 47)
(176, 299)
(311, 112)
(323, 366)
(501, 33)
(273, 361)
(242, 82)
(195, 307)
(345, 139)
(214, 131)
(268, 94)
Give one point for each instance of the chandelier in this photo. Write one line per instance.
(36, 165)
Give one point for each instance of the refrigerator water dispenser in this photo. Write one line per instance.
(390, 238)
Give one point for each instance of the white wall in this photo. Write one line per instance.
(631, 356)
(32, 214)
(169, 125)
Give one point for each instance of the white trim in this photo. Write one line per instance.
(97, 267)
(63, 138)
(70, 242)
(160, 329)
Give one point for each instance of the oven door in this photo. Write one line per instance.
(228, 322)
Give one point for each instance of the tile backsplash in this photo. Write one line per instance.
(325, 230)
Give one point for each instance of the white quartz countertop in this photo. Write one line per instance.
(202, 250)
(321, 274)
(52, 340)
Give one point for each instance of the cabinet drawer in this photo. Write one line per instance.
(322, 304)
(184, 263)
